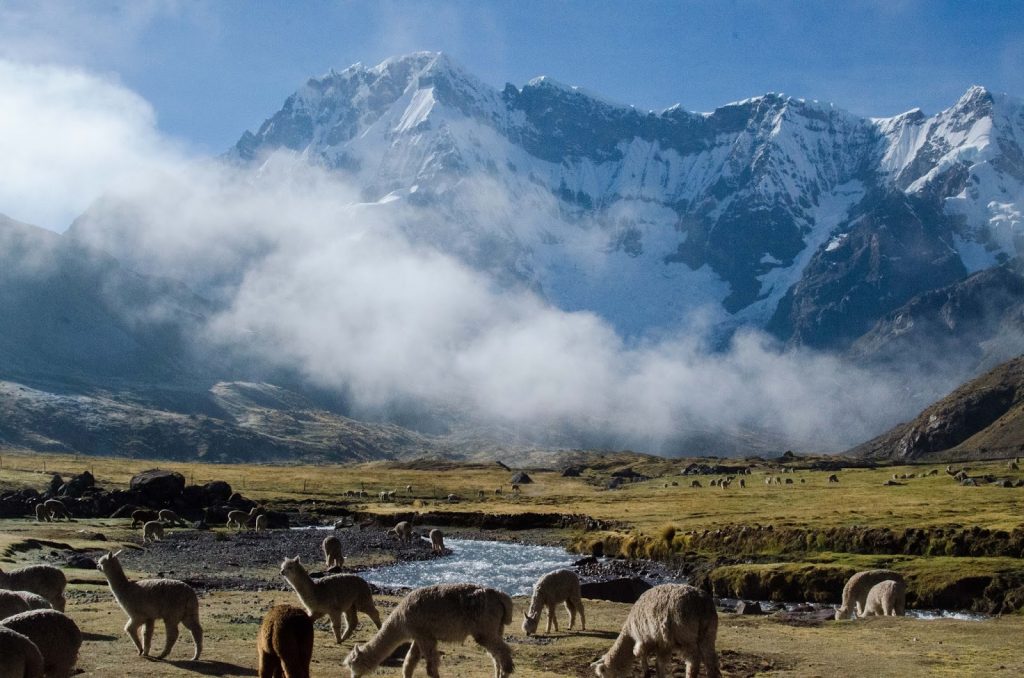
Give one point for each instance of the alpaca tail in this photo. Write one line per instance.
(506, 603)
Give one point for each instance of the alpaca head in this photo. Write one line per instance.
(843, 612)
(108, 562)
(530, 623)
(602, 669)
(290, 567)
(357, 662)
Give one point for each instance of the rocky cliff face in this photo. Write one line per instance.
(783, 213)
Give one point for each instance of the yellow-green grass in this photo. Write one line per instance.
(747, 645)
(858, 499)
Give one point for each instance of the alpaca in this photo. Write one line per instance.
(153, 531)
(170, 517)
(437, 541)
(285, 643)
(57, 509)
(560, 586)
(332, 552)
(663, 619)
(833, 478)
(262, 522)
(855, 592)
(56, 636)
(147, 600)
(21, 657)
(334, 595)
(444, 613)
(11, 604)
(143, 516)
(238, 518)
(886, 599)
(42, 513)
(44, 580)
(33, 601)
(403, 530)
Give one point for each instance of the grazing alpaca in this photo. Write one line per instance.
(44, 580)
(153, 531)
(57, 637)
(334, 595)
(446, 613)
(886, 599)
(21, 657)
(437, 541)
(285, 643)
(332, 552)
(147, 600)
(57, 509)
(403, 531)
(238, 519)
(665, 618)
(560, 586)
(855, 592)
(42, 514)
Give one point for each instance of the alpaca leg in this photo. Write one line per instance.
(710, 658)
(171, 628)
(270, 665)
(578, 603)
(552, 618)
(335, 617)
(147, 636)
(132, 629)
(663, 660)
(428, 648)
(412, 658)
(500, 653)
(193, 626)
(572, 614)
(351, 622)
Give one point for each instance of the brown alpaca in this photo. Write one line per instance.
(285, 643)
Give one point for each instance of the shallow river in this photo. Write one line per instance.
(512, 568)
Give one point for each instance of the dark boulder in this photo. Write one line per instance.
(78, 485)
(79, 562)
(237, 501)
(55, 484)
(623, 590)
(277, 520)
(217, 492)
(521, 478)
(158, 485)
(572, 472)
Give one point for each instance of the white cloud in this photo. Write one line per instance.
(311, 279)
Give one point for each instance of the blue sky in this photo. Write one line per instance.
(213, 69)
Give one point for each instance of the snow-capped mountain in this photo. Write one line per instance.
(773, 211)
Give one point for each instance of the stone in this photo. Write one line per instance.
(622, 590)
(748, 607)
(158, 485)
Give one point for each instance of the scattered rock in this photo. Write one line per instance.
(158, 485)
(624, 590)
(748, 607)
(77, 561)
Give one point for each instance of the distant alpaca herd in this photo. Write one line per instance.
(38, 640)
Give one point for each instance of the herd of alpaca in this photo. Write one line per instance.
(38, 640)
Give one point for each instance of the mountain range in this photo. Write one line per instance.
(892, 241)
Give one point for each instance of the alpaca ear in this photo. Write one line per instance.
(118, 553)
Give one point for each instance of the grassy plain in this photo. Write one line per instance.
(749, 645)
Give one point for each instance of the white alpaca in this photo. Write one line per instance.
(334, 596)
(56, 636)
(147, 600)
(446, 613)
(44, 580)
(21, 657)
(437, 541)
(886, 599)
(560, 586)
(57, 509)
(665, 618)
(403, 531)
(262, 522)
(855, 592)
(42, 513)
(332, 552)
(152, 531)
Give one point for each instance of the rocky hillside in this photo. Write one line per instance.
(983, 419)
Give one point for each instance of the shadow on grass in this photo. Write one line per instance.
(608, 635)
(212, 668)
(97, 636)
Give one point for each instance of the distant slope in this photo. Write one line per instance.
(983, 419)
(255, 422)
